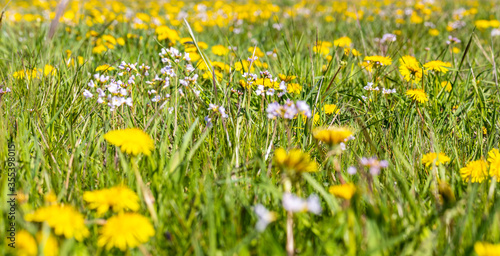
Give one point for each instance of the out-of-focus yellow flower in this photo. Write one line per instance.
(316, 118)
(105, 67)
(164, 32)
(125, 231)
(294, 88)
(64, 219)
(487, 249)
(345, 191)
(49, 70)
(119, 198)
(494, 160)
(266, 82)
(99, 49)
(433, 32)
(330, 109)
(333, 135)
(446, 85)
(26, 244)
(50, 198)
(50, 248)
(437, 66)
(258, 52)
(295, 160)
(434, 159)
(220, 50)
(418, 95)
(475, 171)
(286, 78)
(131, 141)
(28, 74)
(344, 42)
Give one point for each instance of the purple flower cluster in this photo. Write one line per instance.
(289, 110)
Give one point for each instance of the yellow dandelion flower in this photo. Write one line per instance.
(330, 109)
(64, 219)
(410, 68)
(220, 50)
(475, 171)
(100, 48)
(125, 230)
(119, 198)
(50, 198)
(316, 118)
(344, 42)
(295, 160)
(164, 32)
(333, 135)
(294, 88)
(131, 141)
(371, 62)
(494, 160)
(258, 52)
(437, 65)
(26, 244)
(104, 67)
(433, 32)
(348, 51)
(418, 95)
(345, 191)
(266, 82)
(434, 159)
(50, 248)
(322, 49)
(286, 78)
(446, 85)
(49, 70)
(487, 249)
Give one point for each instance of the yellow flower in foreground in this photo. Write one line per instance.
(418, 95)
(131, 141)
(50, 248)
(104, 67)
(494, 160)
(333, 135)
(487, 249)
(428, 159)
(64, 219)
(410, 68)
(119, 198)
(330, 109)
(26, 244)
(345, 191)
(294, 160)
(125, 230)
(437, 65)
(475, 171)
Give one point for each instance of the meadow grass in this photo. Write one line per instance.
(205, 179)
